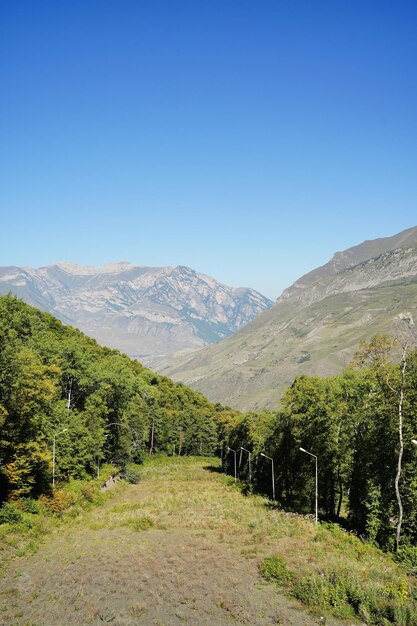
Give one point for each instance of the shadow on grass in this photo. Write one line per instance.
(217, 469)
(275, 505)
(244, 487)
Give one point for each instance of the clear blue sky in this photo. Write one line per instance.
(248, 140)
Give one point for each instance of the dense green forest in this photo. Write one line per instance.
(351, 423)
(99, 406)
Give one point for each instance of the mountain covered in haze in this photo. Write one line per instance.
(315, 326)
(147, 312)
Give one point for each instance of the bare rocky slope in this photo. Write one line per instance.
(314, 328)
(147, 312)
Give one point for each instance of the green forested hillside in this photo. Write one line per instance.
(52, 378)
(103, 407)
(361, 426)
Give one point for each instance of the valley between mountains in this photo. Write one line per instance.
(184, 542)
(315, 327)
(233, 344)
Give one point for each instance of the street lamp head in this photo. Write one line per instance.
(414, 441)
(302, 450)
(262, 454)
(60, 432)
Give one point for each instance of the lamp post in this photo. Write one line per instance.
(250, 473)
(234, 452)
(53, 455)
(317, 496)
(273, 474)
(152, 434)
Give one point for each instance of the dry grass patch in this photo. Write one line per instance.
(184, 546)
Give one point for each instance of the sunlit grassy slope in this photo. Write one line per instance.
(184, 546)
(252, 369)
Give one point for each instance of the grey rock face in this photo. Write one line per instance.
(147, 312)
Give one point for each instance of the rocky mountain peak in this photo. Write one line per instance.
(145, 311)
(88, 270)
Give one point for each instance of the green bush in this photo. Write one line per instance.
(30, 505)
(408, 556)
(88, 492)
(345, 596)
(10, 513)
(140, 523)
(274, 568)
(328, 593)
(131, 474)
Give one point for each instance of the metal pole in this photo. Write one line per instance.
(317, 484)
(69, 399)
(152, 434)
(53, 463)
(250, 473)
(317, 496)
(234, 452)
(235, 463)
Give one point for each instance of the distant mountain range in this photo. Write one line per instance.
(314, 327)
(147, 312)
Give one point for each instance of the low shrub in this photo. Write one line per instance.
(408, 556)
(346, 596)
(57, 503)
(30, 505)
(130, 474)
(10, 513)
(140, 523)
(274, 568)
(324, 592)
(88, 492)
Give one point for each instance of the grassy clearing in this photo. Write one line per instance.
(24, 524)
(324, 567)
(185, 546)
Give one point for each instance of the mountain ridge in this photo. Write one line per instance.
(314, 327)
(143, 311)
(368, 249)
